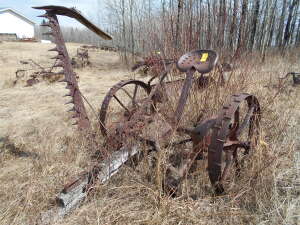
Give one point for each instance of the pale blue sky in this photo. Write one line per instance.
(87, 7)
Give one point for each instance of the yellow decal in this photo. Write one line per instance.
(204, 57)
(262, 143)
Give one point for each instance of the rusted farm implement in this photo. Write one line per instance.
(229, 135)
(36, 73)
(295, 76)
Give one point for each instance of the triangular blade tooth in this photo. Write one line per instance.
(67, 95)
(75, 123)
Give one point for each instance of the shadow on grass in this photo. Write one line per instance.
(7, 146)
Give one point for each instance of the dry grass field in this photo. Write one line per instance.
(40, 151)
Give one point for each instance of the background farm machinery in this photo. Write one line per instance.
(135, 113)
(33, 72)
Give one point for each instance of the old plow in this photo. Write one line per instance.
(132, 117)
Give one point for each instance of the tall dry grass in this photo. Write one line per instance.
(266, 193)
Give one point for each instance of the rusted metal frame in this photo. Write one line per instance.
(246, 120)
(184, 95)
(231, 150)
(220, 132)
(200, 138)
(228, 161)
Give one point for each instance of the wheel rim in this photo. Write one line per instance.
(121, 101)
(230, 135)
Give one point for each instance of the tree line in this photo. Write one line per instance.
(233, 26)
(176, 26)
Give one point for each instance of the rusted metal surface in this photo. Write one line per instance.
(36, 72)
(63, 59)
(153, 65)
(218, 136)
(112, 94)
(224, 136)
(202, 61)
(70, 77)
(73, 13)
(81, 59)
(184, 95)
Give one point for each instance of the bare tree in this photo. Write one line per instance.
(241, 37)
(281, 24)
(177, 35)
(254, 24)
(233, 26)
(272, 27)
(287, 32)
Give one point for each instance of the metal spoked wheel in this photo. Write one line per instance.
(120, 103)
(235, 133)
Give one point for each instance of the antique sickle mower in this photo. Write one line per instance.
(230, 135)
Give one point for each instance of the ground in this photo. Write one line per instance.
(40, 150)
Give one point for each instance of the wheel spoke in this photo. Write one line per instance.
(119, 101)
(126, 92)
(134, 94)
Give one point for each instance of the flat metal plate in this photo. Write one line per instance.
(201, 60)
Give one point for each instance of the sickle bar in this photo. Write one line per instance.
(73, 13)
(63, 60)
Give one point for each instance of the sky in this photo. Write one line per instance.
(87, 7)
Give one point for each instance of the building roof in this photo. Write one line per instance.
(17, 14)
